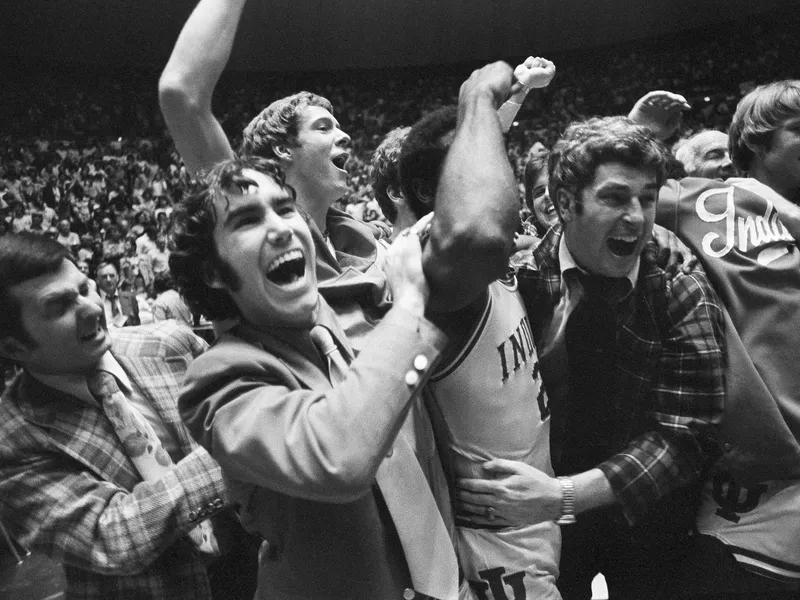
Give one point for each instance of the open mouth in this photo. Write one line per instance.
(288, 268)
(340, 161)
(622, 246)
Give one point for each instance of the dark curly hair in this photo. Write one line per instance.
(195, 255)
(588, 144)
(278, 124)
(423, 155)
(384, 170)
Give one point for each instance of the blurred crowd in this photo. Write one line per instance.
(86, 157)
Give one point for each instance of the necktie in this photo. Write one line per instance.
(426, 544)
(142, 445)
(114, 305)
(590, 340)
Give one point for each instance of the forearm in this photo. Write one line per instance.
(325, 443)
(189, 78)
(509, 109)
(477, 210)
(592, 490)
(203, 48)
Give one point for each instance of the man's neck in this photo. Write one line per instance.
(312, 203)
(404, 220)
(791, 194)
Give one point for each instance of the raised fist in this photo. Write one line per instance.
(535, 72)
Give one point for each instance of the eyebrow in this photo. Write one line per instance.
(623, 186)
(240, 210)
(55, 297)
(326, 119)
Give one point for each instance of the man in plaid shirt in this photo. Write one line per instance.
(633, 363)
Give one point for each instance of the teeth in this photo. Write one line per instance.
(291, 255)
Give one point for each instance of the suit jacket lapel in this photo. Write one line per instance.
(80, 430)
(305, 370)
(157, 380)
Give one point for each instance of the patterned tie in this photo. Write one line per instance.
(142, 445)
(426, 544)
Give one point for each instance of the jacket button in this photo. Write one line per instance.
(412, 378)
(193, 515)
(408, 594)
(727, 446)
(421, 362)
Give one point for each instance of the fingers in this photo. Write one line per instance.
(668, 101)
(421, 225)
(535, 72)
(479, 515)
(689, 265)
(494, 77)
(476, 486)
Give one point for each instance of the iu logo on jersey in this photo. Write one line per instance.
(495, 584)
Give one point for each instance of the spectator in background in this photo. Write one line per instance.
(146, 242)
(705, 154)
(67, 237)
(120, 305)
(159, 258)
(168, 303)
(20, 219)
(37, 220)
(114, 245)
(129, 262)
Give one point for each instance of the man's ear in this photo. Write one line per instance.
(12, 349)
(282, 152)
(423, 191)
(395, 196)
(211, 277)
(565, 204)
(758, 150)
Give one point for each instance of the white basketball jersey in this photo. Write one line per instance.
(494, 405)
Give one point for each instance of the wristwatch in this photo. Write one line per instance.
(567, 501)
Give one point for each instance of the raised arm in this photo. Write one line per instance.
(477, 210)
(660, 111)
(188, 81)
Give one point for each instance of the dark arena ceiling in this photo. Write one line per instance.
(310, 35)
